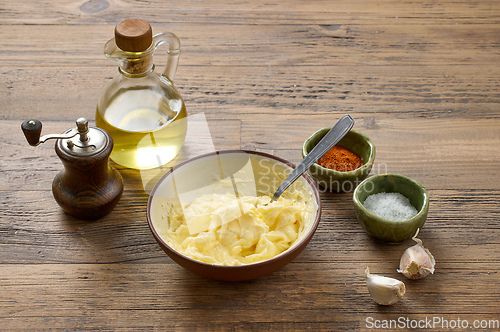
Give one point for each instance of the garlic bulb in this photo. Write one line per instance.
(384, 290)
(417, 262)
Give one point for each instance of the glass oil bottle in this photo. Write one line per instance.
(142, 110)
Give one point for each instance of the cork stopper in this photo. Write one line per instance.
(133, 35)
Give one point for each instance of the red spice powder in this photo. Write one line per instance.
(340, 159)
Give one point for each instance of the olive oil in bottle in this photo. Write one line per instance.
(147, 131)
(141, 110)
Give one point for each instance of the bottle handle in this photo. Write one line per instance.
(174, 51)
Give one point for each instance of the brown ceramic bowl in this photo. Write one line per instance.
(188, 177)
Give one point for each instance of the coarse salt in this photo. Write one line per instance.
(390, 206)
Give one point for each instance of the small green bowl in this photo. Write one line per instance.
(338, 181)
(387, 230)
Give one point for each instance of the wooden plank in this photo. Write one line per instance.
(426, 151)
(309, 68)
(421, 79)
(34, 229)
(375, 91)
(315, 296)
(249, 45)
(257, 12)
(34, 168)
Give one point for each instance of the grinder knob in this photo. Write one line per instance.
(32, 130)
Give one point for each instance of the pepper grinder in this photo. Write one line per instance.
(88, 187)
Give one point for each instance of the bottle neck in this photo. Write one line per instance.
(137, 67)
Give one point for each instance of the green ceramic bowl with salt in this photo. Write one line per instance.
(387, 230)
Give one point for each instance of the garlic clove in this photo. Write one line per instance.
(384, 290)
(416, 262)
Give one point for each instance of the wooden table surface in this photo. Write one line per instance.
(422, 79)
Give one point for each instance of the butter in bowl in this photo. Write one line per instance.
(213, 214)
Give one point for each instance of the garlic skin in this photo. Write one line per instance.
(384, 290)
(416, 262)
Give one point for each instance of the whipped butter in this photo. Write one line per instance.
(226, 230)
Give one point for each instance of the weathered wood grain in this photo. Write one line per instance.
(275, 44)
(285, 12)
(436, 80)
(35, 229)
(148, 296)
(426, 150)
(34, 168)
(421, 79)
(424, 70)
(398, 91)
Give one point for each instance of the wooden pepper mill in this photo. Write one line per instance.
(88, 187)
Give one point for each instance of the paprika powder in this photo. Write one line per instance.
(340, 159)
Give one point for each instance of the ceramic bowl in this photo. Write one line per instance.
(202, 175)
(338, 181)
(386, 230)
